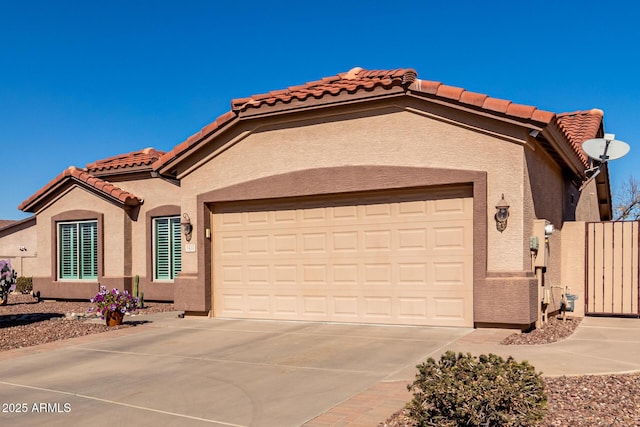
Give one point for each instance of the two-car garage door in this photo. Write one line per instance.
(392, 258)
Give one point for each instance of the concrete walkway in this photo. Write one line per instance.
(217, 372)
(599, 346)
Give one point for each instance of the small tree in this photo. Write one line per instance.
(626, 200)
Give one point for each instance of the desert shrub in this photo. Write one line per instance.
(461, 390)
(24, 285)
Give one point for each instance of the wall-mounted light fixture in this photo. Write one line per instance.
(548, 231)
(187, 228)
(502, 214)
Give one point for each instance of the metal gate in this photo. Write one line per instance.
(612, 274)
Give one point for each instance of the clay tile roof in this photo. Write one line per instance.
(351, 81)
(82, 176)
(357, 79)
(481, 101)
(184, 146)
(144, 157)
(579, 126)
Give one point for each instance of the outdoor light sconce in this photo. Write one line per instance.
(548, 230)
(502, 214)
(187, 228)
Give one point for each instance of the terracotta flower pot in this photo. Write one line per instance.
(113, 318)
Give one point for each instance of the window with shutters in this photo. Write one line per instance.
(78, 250)
(167, 259)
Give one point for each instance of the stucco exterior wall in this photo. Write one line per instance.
(573, 262)
(546, 188)
(400, 138)
(115, 250)
(156, 193)
(19, 245)
(587, 204)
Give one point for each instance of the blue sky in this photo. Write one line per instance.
(86, 80)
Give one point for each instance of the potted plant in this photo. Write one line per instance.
(112, 305)
(7, 280)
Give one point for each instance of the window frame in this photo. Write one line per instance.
(173, 248)
(78, 251)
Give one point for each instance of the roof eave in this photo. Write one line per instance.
(120, 171)
(66, 182)
(558, 143)
(167, 164)
(603, 192)
(343, 98)
(18, 225)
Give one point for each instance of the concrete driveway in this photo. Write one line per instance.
(192, 371)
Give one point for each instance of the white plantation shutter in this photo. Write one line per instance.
(176, 252)
(88, 250)
(68, 259)
(78, 250)
(162, 248)
(167, 244)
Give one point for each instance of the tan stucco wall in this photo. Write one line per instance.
(400, 138)
(587, 206)
(573, 262)
(156, 192)
(11, 240)
(80, 199)
(550, 197)
(545, 197)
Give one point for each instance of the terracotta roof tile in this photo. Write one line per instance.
(427, 86)
(351, 81)
(542, 116)
(81, 175)
(482, 101)
(360, 79)
(579, 126)
(496, 104)
(473, 98)
(137, 158)
(179, 149)
(450, 92)
(519, 110)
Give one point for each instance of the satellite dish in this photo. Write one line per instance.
(604, 149)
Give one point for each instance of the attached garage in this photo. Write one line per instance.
(376, 257)
(365, 197)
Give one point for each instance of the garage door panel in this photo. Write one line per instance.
(285, 274)
(403, 262)
(448, 309)
(346, 307)
(453, 271)
(413, 309)
(285, 305)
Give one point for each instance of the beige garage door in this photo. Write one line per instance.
(393, 259)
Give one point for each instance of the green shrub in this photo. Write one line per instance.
(461, 390)
(24, 285)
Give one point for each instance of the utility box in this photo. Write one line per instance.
(571, 302)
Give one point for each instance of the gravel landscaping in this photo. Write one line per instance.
(599, 400)
(25, 322)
